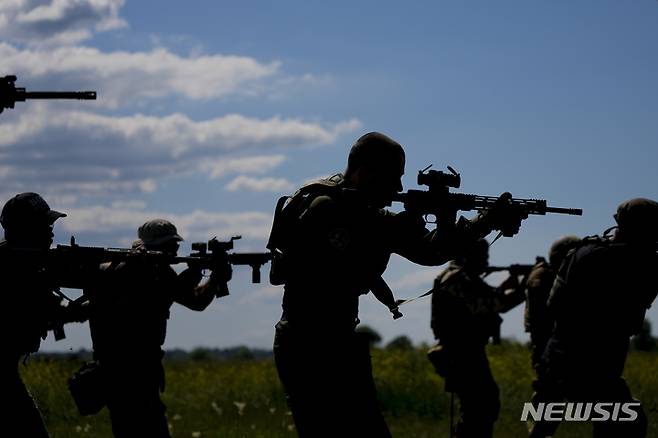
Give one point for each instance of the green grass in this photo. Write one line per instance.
(243, 398)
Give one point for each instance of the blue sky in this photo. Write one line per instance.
(209, 111)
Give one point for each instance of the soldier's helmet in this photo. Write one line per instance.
(560, 248)
(156, 232)
(27, 209)
(637, 219)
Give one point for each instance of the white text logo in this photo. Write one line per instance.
(580, 411)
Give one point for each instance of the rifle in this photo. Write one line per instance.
(438, 198)
(515, 269)
(74, 266)
(216, 247)
(10, 94)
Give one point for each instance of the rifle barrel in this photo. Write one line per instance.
(80, 95)
(560, 210)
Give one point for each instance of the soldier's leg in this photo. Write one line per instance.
(365, 413)
(134, 404)
(546, 391)
(20, 416)
(478, 396)
(304, 380)
(617, 391)
(543, 429)
(552, 369)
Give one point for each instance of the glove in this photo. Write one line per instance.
(505, 216)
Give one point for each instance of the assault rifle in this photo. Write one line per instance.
(74, 266)
(513, 269)
(206, 250)
(10, 94)
(439, 200)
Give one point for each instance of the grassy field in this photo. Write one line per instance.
(243, 398)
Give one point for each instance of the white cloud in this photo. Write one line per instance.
(256, 164)
(122, 77)
(196, 225)
(85, 153)
(243, 182)
(56, 22)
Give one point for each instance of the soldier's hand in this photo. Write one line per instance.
(396, 312)
(511, 282)
(505, 216)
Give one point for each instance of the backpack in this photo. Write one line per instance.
(287, 215)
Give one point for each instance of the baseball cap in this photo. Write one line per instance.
(27, 207)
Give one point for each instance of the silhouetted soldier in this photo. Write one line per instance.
(128, 322)
(537, 319)
(465, 313)
(31, 307)
(332, 241)
(599, 300)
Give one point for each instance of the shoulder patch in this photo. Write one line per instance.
(339, 238)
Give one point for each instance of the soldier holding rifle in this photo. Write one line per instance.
(32, 306)
(598, 301)
(129, 308)
(331, 242)
(465, 313)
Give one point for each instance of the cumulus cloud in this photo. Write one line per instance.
(73, 150)
(123, 220)
(244, 182)
(256, 164)
(122, 77)
(56, 22)
(92, 153)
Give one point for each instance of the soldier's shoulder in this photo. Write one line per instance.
(541, 269)
(319, 193)
(591, 246)
(451, 275)
(321, 186)
(321, 202)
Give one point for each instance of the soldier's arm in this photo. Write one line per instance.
(537, 290)
(479, 297)
(413, 241)
(509, 294)
(434, 321)
(559, 294)
(384, 295)
(190, 293)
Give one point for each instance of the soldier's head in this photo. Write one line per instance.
(28, 221)
(637, 222)
(560, 248)
(158, 235)
(375, 167)
(476, 258)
